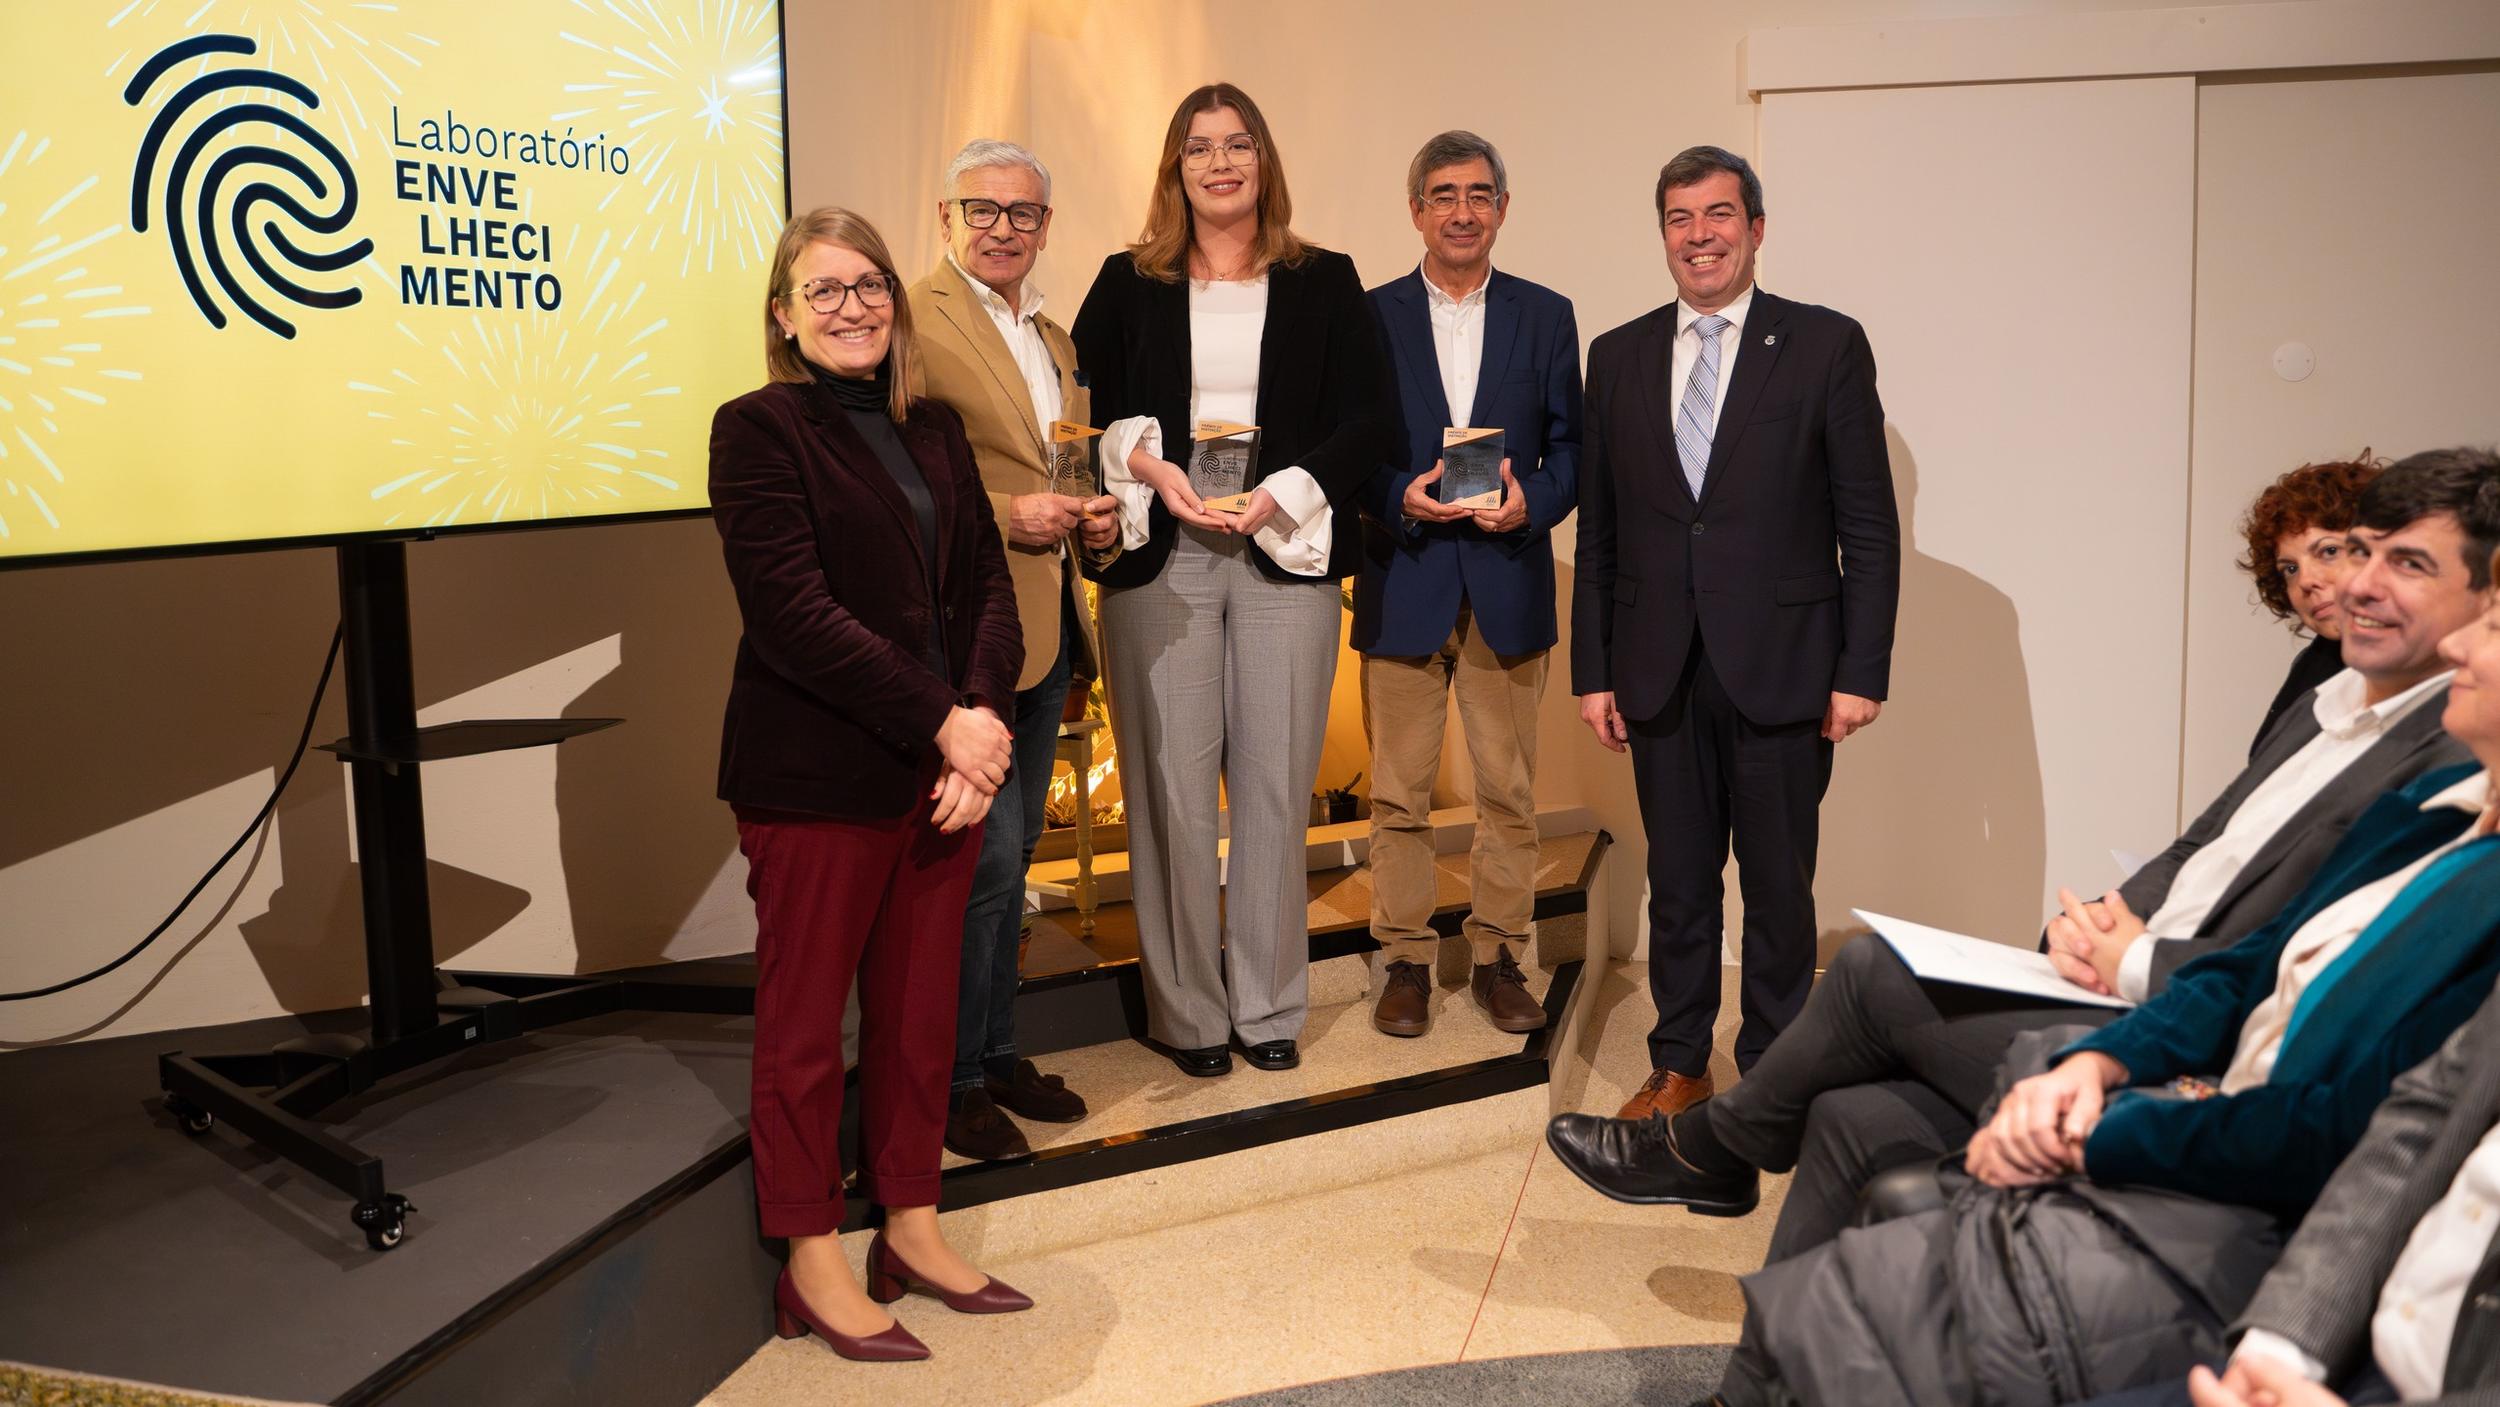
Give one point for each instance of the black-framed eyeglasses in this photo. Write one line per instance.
(1024, 216)
(827, 295)
(1478, 202)
(1240, 149)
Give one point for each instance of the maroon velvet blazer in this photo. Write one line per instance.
(831, 710)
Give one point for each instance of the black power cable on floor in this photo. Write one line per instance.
(267, 809)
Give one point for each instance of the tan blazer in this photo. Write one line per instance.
(965, 363)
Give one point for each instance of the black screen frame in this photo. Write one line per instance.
(10, 562)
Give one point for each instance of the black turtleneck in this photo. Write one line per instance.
(866, 402)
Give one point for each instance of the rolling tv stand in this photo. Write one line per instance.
(420, 1014)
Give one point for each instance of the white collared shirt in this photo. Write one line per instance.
(1688, 351)
(1023, 336)
(2425, 1293)
(1458, 341)
(2326, 937)
(2347, 728)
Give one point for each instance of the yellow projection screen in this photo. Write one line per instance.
(280, 271)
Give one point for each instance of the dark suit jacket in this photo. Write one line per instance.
(2276, 873)
(831, 710)
(1415, 574)
(2323, 1292)
(1325, 402)
(1790, 564)
(2383, 1008)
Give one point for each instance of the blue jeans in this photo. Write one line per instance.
(985, 999)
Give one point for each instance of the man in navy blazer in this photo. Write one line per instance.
(1732, 613)
(1457, 598)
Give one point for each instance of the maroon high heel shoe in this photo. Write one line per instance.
(792, 1319)
(889, 1277)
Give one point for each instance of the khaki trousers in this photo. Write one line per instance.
(1404, 705)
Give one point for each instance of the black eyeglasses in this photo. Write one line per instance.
(1023, 216)
(1240, 149)
(827, 295)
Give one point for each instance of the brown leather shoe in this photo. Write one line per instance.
(1035, 1095)
(1666, 1092)
(1501, 993)
(1405, 1006)
(976, 1129)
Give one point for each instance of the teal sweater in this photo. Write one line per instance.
(2414, 975)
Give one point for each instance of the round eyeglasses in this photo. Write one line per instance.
(1240, 149)
(827, 295)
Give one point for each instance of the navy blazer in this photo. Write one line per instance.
(1415, 574)
(2430, 959)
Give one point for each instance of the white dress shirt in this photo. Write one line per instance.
(1458, 342)
(2347, 728)
(2424, 1294)
(1024, 343)
(1226, 322)
(1688, 352)
(2326, 937)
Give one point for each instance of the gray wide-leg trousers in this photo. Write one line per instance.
(1219, 675)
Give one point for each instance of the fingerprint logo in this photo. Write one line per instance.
(233, 134)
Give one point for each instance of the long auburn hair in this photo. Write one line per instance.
(834, 225)
(1162, 248)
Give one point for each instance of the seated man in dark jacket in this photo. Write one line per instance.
(2127, 1201)
(1881, 1069)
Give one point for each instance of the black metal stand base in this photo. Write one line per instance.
(420, 1014)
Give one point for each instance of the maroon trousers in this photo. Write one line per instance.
(882, 900)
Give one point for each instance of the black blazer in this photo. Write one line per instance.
(1789, 566)
(831, 711)
(1326, 401)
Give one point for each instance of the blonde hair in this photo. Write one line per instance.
(831, 224)
(1162, 248)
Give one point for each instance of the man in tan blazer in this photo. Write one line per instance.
(1010, 372)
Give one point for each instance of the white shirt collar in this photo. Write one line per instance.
(1435, 298)
(2471, 794)
(989, 298)
(2342, 713)
(1733, 312)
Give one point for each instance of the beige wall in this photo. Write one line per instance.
(147, 703)
(2353, 216)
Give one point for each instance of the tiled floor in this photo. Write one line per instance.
(1447, 1234)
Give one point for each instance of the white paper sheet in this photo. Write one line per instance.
(1938, 956)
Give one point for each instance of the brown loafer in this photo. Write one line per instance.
(976, 1129)
(1037, 1096)
(1501, 993)
(1666, 1092)
(1405, 1006)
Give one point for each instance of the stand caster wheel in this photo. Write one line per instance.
(193, 1119)
(385, 1223)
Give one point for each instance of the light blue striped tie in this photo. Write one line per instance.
(1701, 395)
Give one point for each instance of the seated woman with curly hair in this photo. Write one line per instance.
(2295, 532)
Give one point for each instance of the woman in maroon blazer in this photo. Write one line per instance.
(860, 752)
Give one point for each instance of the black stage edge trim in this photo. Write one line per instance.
(1147, 1149)
(434, 1348)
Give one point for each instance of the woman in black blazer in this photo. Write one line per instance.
(2295, 534)
(861, 749)
(1220, 629)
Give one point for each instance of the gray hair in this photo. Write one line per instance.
(1449, 149)
(984, 152)
(1693, 165)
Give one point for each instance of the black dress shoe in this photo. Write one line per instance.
(1204, 1062)
(1274, 1055)
(1634, 1160)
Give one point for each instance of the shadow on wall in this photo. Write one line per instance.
(138, 687)
(1936, 812)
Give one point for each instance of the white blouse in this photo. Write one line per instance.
(1226, 322)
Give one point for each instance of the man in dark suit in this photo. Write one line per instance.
(1732, 617)
(1459, 599)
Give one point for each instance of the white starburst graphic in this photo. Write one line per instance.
(338, 41)
(55, 317)
(692, 92)
(518, 416)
